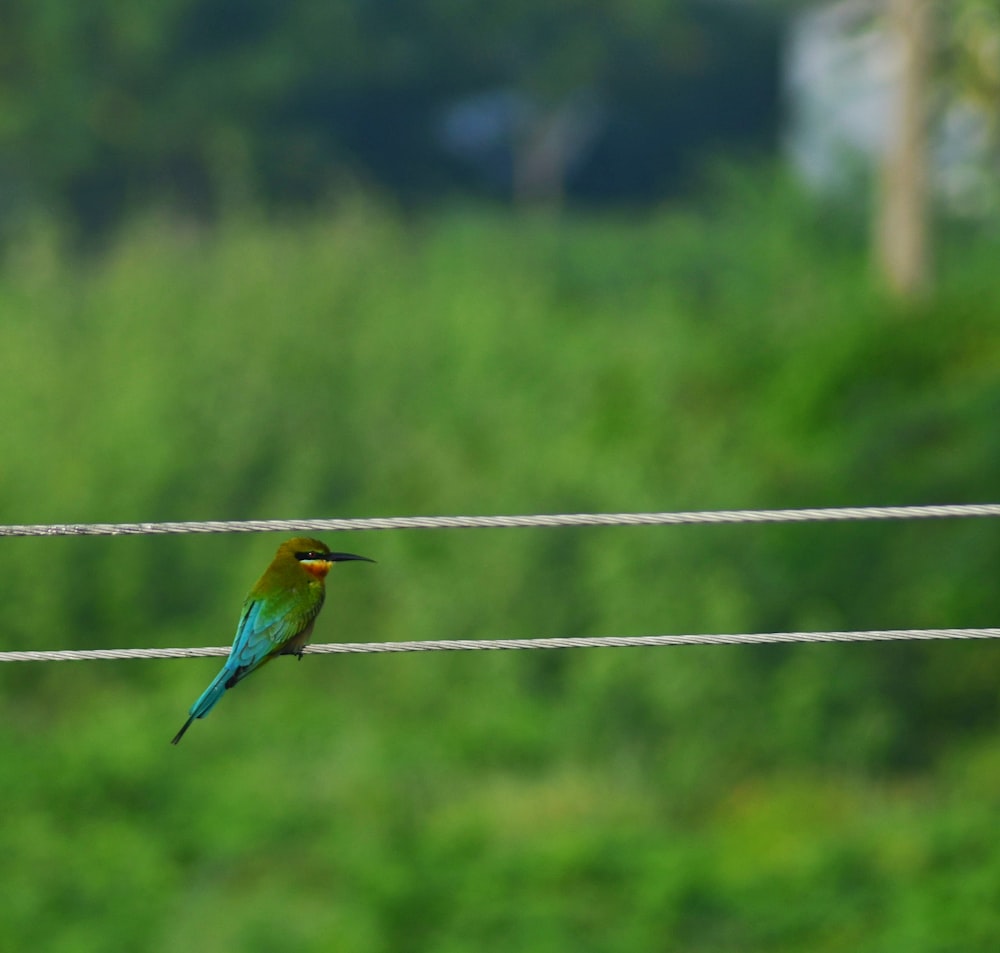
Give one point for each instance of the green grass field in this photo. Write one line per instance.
(770, 799)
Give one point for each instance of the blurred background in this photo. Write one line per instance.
(309, 259)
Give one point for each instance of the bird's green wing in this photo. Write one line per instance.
(266, 625)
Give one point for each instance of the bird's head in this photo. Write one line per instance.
(315, 557)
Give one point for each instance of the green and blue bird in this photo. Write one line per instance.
(278, 616)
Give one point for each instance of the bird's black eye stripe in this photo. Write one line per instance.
(312, 554)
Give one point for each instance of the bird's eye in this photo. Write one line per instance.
(312, 554)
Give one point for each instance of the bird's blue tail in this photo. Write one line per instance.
(206, 701)
(208, 698)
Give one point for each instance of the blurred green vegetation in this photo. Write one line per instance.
(812, 798)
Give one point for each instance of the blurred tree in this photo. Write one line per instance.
(203, 104)
(560, 59)
(972, 68)
(974, 40)
(915, 86)
(954, 45)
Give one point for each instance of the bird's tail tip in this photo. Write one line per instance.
(180, 734)
(206, 702)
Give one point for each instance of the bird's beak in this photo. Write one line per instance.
(347, 557)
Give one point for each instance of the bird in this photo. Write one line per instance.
(277, 618)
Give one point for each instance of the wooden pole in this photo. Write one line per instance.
(902, 227)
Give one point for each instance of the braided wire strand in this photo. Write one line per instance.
(828, 514)
(477, 645)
